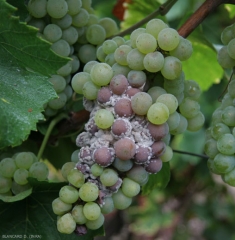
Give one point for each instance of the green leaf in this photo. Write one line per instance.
(34, 215)
(23, 93)
(231, 9)
(22, 96)
(138, 10)
(20, 46)
(202, 66)
(22, 11)
(17, 197)
(159, 180)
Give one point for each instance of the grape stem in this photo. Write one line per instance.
(48, 133)
(191, 154)
(222, 94)
(162, 10)
(202, 12)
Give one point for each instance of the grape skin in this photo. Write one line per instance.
(24, 160)
(130, 188)
(104, 95)
(226, 144)
(37, 8)
(7, 167)
(88, 192)
(66, 168)
(39, 170)
(103, 156)
(123, 108)
(20, 176)
(122, 165)
(66, 224)
(154, 165)
(120, 54)
(76, 178)
(68, 194)
(91, 210)
(141, 102)
(138, 174)
(118, 84)
(132, 91)
(136, 78)
(78, 215)
(104, 118)
(109, 177)
(59, 207)
(158, 132)
(224, 163)
(95, 224)
(143, 154)
(168, 39)
(5, 184)
(57, 8)
(125, 148)
(158, 113)
(108, 207)
(158, 148)
(121, 201)
(120, 128)
(146, 43)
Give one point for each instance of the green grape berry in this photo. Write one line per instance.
(158, 113)
(88, 192)
(91, 210)
(104, 118)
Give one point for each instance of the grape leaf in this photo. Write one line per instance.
(159, 180)
(22, 96)
(231, 9)
(22, 11)
(202, 66)
(34, 215)
(23, 93)
(19, 45)
(137, 10)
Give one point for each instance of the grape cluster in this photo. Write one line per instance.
(14, 172)
(131, 122)
(226, 55)
(220, 138)
(73, 31)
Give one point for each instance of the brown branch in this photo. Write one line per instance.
(198, 17)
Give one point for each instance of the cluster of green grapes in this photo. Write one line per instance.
(226, 55)
(73, 31)
(14, 173)
(220, 138)
(131, 122)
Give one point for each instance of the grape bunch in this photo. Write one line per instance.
(127, 136)
(74, 31)
(226, 54)
(220, 138)
(14, 172)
